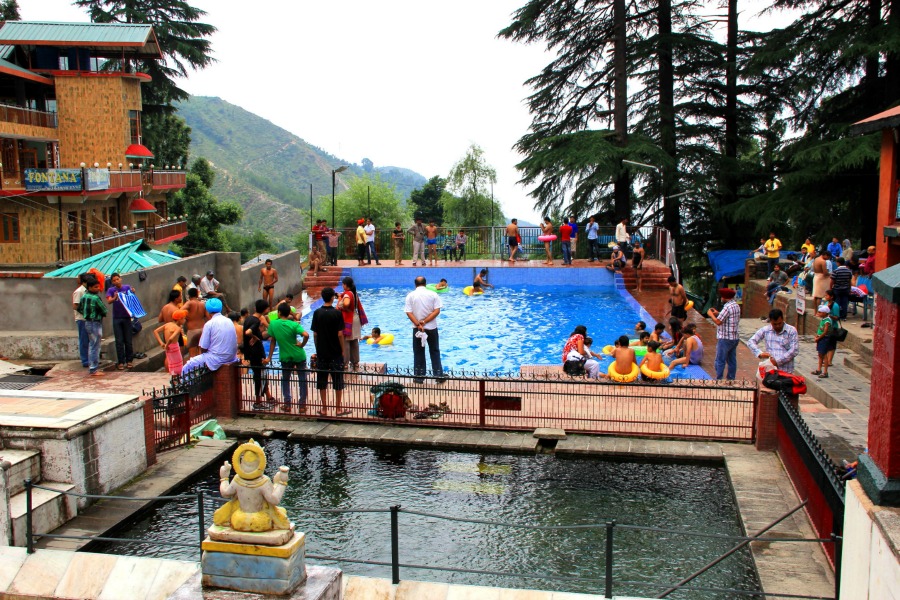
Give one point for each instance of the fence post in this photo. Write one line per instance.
(608, 593)
(838, 549)
(395, 544)
(29, 536)
(481, 400)
(201, 517)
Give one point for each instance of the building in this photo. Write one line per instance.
(75, 179)
(887, 235)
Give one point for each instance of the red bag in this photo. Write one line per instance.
(391, 406)
(782, 381)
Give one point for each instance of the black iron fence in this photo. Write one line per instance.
(814, 474)
(491, 242)
(686, 409)
(187, 402)
(606, 584)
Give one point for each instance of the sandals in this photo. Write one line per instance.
(823, 376)
(322, 413)
(345, 413)
(816, 372)
(120, 367)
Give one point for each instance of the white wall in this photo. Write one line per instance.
(870, 569)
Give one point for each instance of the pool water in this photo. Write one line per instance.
(524, 489)
(505, 328)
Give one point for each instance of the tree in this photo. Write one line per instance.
(426, 202)
(363, 193)
(204, 213)
(9, 10)
(469, 182)
(250, 245)
(169, 137)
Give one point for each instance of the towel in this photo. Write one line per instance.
(422, 336)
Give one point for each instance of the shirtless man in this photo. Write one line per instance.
(691, 346)
(315, 264)
(637, 262)
(431, 232)
(624, 356)
(481, 281)
(678, 298)
(169, 308)
(196, 317)
(512, 237)
(268, 277)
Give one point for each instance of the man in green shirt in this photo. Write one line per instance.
(93, 309)
(286, 332)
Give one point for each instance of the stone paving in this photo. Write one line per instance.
(835, 409)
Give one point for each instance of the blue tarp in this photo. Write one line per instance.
(728, 263)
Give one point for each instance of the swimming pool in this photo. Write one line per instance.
(538, 490)
(525, 320)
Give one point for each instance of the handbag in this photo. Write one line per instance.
(838, 333)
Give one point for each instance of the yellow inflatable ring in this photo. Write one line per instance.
(663, 372)
(386, 338)
(470, 291)
(608, 349)
(689, 305)
(616, 376)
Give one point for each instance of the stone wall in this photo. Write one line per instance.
(289, 279)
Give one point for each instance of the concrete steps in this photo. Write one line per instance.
(50, 508)
(313, 286)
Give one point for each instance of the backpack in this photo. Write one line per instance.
(574, 367)
(391, 405)
(782, 381)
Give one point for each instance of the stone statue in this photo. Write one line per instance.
(254, 497)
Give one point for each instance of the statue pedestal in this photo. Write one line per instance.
(254, 568)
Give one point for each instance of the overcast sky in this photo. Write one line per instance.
(407, 83)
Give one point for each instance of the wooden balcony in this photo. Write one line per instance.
(165, 180)
(26, 116)
(125, 179)
(74, 250)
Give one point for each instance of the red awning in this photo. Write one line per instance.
(138, 151)
(139, 205)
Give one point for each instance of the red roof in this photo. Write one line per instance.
(138, 151)
(139, 205)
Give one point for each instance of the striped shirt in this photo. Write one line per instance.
(783, 347)
(92, 307)
(840, 278)
(730, 317)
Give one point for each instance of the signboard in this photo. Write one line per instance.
(738, 291)
(97, 179)
(801, 299)
(56, 180)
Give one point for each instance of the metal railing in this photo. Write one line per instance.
(605, 584)
(27, 116)
(491, 242)
(164, 231)
(685, 409)
(177, 408)
(813, 472)
(72, 250)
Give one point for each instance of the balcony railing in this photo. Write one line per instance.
(165, 179)
(125, 179)
(73, 250)
(26, 116)
(165, 231)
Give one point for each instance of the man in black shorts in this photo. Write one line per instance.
(677, 298)
(512, 238)
(328, 334)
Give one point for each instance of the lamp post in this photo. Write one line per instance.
(334, 172)
(659, 171)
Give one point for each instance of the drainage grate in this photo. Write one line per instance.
(20, 382)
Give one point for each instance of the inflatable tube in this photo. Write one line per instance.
(689, 305)
(470, 291)
(663, 372)
(434, 288)
(547, 238)
(639, 350)
(387, 338)
(618, 377)
(608, 349)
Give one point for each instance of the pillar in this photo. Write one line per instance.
(226, 391)
(879, 470)
(886, 252)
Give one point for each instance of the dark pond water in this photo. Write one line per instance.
(537, 490)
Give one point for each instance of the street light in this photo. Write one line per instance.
(334, 172)
(659, 171)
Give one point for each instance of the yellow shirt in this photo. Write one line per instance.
(772, 248)
(360, 235)
(808, 248)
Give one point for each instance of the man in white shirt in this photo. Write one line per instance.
(622, 233)
(422, 307)
(209, 288)
(370, 241)
(218, 342)
(83, 341)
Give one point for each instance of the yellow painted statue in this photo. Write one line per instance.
(254, 497)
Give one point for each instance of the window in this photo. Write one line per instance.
(9, 227)
(134, 116)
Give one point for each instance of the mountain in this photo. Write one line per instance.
(268, 170)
